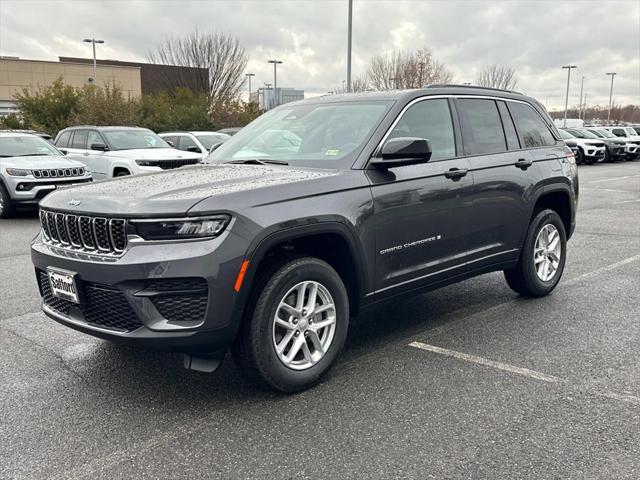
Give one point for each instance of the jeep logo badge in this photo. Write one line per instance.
(73, 202)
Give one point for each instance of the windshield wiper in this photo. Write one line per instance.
(258, 161)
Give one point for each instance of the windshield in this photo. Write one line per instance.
(133, 139)
(208, 140)
(596, 133)
(565, 135)
(606, 133)
(321, 135)
(582, 133)
(630, 131)
(27, 145)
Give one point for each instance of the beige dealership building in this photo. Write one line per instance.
(17, 74)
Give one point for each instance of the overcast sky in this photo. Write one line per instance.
(310, 37)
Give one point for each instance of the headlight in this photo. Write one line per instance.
(18, 172)
(169, 229)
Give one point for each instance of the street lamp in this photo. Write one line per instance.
(349, 29)
(613, 74)
(580, 106)
(275, 81)
(93, 41)
(566, 100)
(249, 75)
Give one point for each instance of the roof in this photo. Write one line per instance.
(108, 127)
(405, 95)
(9, 133)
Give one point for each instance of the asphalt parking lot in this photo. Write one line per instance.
(469, 381)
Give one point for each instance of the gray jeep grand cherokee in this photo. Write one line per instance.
(314, 211)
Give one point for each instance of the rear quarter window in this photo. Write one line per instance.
(533, 131)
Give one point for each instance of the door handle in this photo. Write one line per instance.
(523, 163)
(455, 173)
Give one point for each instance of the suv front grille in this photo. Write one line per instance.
(103, 235)
(58, 172)
(171, 164)
(104, 306)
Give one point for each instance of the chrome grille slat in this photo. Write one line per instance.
(58, 172)
(107, 236)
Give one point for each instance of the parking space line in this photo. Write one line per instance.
(486, 362)
(611, 179)
(600, 270)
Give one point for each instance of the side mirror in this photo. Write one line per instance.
(169, 142)
(100, 147)
(64, 152)
(401, 151)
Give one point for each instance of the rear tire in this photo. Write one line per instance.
(529, 278)
(283, 344)
(7, 208)
(122, 173)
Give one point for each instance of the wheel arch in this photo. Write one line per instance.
(559, 199)
(332, 242)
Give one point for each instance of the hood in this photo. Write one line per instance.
(174, 192)
(40, 162)
(154, 154)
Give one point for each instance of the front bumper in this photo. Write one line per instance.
(141, 299)
(28, 190)
(594, 153)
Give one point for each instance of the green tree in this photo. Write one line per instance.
(50, 108)
(104, 106)
(234, 113)
(12, 122)
(181, 110)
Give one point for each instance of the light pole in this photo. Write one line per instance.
(268, 87)
(249, 75)
(93, 41)
(349, 46)
(275, 81)
(613, 74)
(580, 106)
(421, 65)
(566, 100)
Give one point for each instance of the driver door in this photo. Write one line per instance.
(422, 212)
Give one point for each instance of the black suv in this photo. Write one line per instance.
(314, 211)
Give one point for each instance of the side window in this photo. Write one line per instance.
(63, 140)
(430, 119)
(533, 131)
(79, 139)
(618, 132)
(481, 126)
(187, 142)
(93, 137)
(173, 139)
(509, 128)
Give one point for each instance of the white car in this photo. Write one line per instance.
(30, 168)
(118, 151)
(196, 142)
(589, 150)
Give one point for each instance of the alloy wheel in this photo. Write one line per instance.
(304, 325)
(547, 252)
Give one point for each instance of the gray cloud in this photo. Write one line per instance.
(310, 36)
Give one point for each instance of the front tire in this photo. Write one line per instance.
(542, 258)
(7, 208)
(297, 328)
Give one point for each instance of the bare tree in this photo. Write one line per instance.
(406, 69)
(221, 56)
(357, 85)
(497, 76)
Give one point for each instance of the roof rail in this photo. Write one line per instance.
(442, 85)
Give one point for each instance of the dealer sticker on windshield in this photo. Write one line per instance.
(63, 284)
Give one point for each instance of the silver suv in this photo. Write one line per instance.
(30, 168)
(119, 151)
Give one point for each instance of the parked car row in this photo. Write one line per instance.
(602, 144)
(85, 153)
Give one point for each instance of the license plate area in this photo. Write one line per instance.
(64, 284)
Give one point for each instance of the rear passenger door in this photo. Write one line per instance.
(504, 176)
(77, 145)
